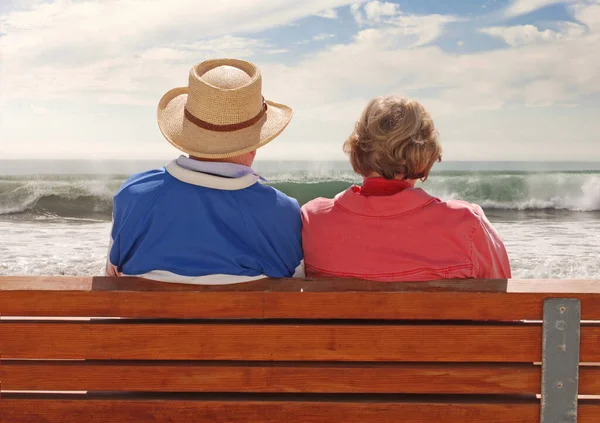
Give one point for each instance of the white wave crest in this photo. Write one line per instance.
(574, 192)
(17, 196)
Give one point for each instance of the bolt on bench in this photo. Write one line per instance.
(298, 351)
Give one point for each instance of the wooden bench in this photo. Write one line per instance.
(298, 351)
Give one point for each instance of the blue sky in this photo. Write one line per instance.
(503, 79)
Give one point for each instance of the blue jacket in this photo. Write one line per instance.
(180, 225)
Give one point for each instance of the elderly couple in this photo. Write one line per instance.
(205, 218)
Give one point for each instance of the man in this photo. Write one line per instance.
(205, 218)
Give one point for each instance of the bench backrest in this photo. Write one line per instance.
(76, 350)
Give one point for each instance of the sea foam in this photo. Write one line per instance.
(81, 196)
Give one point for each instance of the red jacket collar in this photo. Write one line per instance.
(379, 187)
(406, 201)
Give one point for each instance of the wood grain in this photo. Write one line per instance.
(123, 411)
(281, 342)
(406, 378)
(273, 411)
(287, 305)
(70, 283)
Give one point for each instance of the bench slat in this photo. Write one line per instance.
(274, 342)
(123, 411)
(282, 342)
(82, 283)
(406, 378)
(138, 411)
(282, 305)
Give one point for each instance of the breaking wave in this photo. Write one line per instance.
(542, 191)
(81, 196)
(74, 196)
(575, 191)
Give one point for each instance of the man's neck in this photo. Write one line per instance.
(244, 160)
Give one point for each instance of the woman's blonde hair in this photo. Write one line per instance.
(394, 137)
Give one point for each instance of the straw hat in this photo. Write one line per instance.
(221, 113)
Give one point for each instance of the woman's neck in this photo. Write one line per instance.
(411, 182)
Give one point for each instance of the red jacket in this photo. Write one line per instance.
(406, 236)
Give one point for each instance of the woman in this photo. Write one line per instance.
(388, 230)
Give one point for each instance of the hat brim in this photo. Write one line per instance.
(203, 143)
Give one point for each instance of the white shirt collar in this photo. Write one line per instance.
(227, 170)
(212, 179)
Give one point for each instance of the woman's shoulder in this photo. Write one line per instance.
(463, 210)
(462, 205)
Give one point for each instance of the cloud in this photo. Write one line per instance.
(529, 34)
(388, 20)
(521, 7)
(480, 100)
(123, 79)
(509, 101)
(38, 110)
(84, 47)
(427, 28)
(357, 13)
(407, 31)
(19, 4)
(227, 45)
(544, 92)
(104, 26)
(328, 14)
(321, 37)
(375, 10)
(277, 51)
(378, 61)
(316, 38)
(588, 14)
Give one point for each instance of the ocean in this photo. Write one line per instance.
(55, 216)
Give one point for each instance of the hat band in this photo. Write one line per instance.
(225, 128)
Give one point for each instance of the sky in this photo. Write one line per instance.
(503, 79)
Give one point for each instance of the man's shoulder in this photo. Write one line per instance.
(135, 198)
(140, 190)
(275, 199)
(143, 182)
(269, 205)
